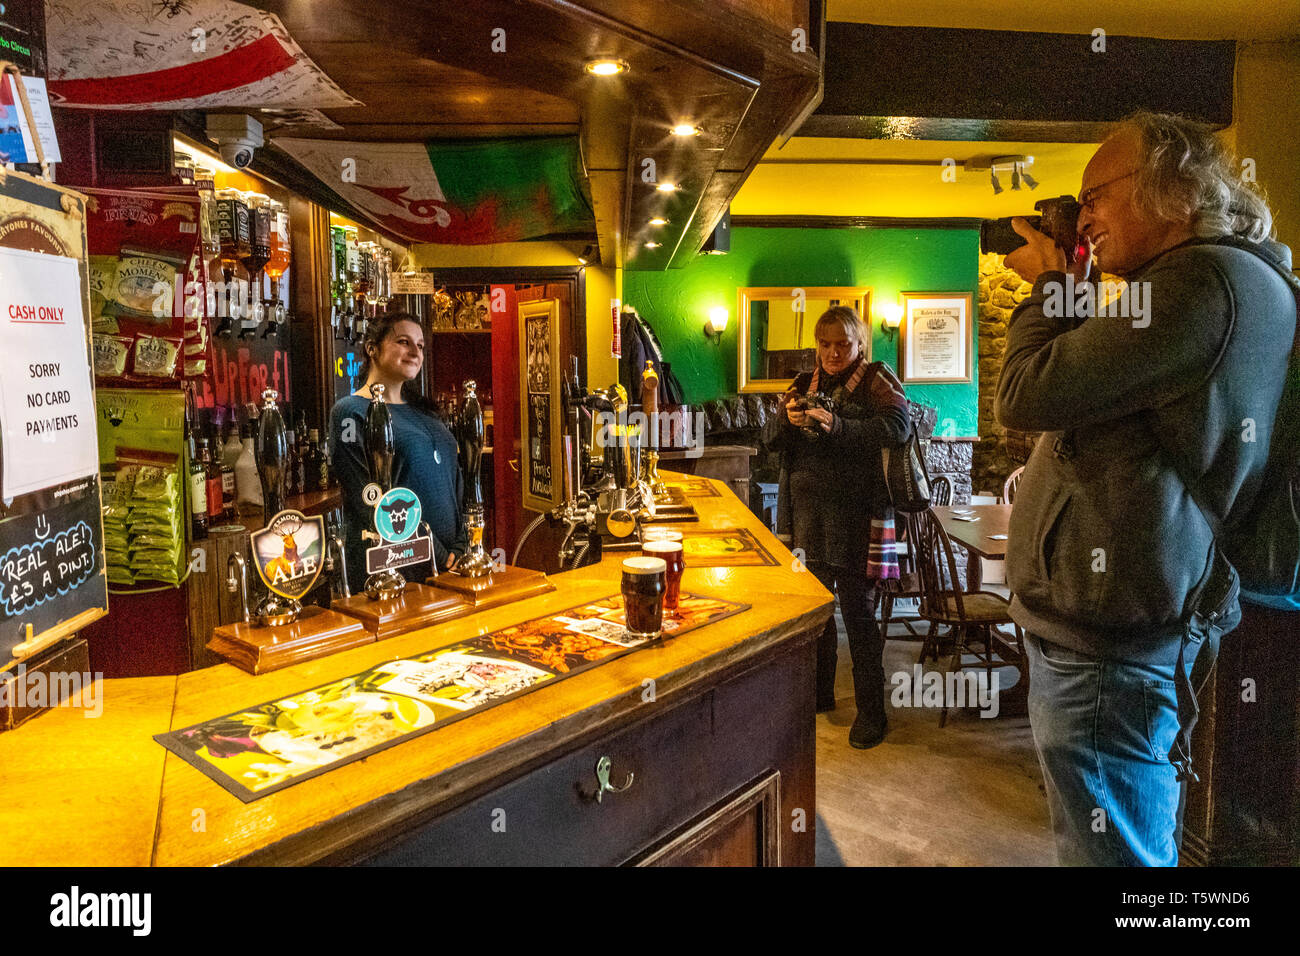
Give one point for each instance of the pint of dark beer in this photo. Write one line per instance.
(643, 595)
(671, 553)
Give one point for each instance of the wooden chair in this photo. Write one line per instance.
(907, 587)
(970, 616)
(1012, 484)
(941, 491)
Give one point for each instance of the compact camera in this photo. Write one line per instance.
(1059, 219)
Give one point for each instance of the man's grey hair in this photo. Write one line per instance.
(1187, 174)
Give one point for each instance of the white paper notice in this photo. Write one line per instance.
(47, 406)
(39, 100)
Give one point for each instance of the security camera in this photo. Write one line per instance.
(237, 137)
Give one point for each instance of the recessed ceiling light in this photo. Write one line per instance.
(686, 129)
(606, 66)
(658, 221)
(652, 244)
(666, 187)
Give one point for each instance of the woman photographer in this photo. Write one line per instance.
(833, 501)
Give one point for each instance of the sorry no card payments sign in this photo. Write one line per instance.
(47, 406)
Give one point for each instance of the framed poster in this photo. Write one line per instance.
(934, 343)
(53, 580)
(539, 399)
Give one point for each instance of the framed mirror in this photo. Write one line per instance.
(775, 342)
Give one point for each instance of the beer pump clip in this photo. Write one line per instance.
(397, 516)
(289, 554)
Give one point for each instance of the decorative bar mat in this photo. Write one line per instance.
(696, 488)
(725, 548)
(270, 746)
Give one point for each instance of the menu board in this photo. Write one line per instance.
(539, 395)
(52, 575)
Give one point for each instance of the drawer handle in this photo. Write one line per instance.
(603, 766)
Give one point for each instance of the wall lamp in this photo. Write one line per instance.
(891, 318)
(717, 323)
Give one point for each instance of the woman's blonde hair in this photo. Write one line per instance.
(847, 318)
(1186, 174)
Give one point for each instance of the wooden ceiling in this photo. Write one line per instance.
(426, 70)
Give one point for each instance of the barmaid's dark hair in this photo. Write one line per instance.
(377, 330)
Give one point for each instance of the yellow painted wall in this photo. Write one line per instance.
(1267, 127)
(601, 285)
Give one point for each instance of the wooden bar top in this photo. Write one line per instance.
(100, 791)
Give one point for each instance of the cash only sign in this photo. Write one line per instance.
(51, 536)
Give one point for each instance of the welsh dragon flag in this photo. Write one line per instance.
(462, 192)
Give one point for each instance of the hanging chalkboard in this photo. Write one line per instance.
(52, 575)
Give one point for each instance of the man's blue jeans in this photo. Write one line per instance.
(1103, 730)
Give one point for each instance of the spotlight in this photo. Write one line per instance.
(686, 129)
(606, 66)
(667, 187)
(997, 186)
(1029, 180)
(588, 254)
(658, 221)
(1015, 177)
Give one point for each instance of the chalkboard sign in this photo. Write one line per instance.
(539, 395)
(52, 575)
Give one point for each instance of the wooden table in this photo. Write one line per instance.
(717, 727)
(974, 535)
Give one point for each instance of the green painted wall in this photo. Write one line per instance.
(888, 261)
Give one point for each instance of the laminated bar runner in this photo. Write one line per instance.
(267, 747)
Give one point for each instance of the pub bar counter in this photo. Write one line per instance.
(714, 730)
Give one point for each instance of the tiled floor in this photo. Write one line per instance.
(969, 794)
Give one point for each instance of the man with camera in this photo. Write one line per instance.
(1150, 425)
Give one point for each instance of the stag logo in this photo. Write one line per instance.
(289, 552)
(397, 515)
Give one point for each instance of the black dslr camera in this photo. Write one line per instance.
(813, 400)
(1059, 219)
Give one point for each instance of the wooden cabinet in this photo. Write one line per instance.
(723, 776)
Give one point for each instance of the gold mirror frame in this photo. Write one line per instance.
(857, 296)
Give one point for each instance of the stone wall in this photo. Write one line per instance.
(1000, 291)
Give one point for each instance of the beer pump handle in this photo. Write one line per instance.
(472, 440)
(272, 453)
(237, 583)
(337, 566)
(380, 441)
(649, 389)
(427, 531)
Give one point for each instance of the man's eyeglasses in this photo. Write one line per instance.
(1088, 197)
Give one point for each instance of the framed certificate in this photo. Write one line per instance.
(934, 342)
